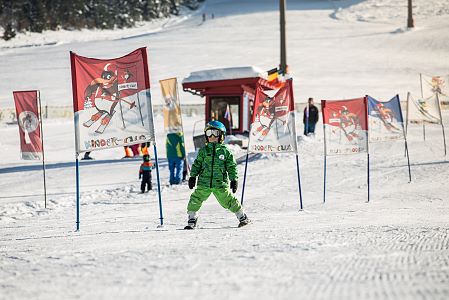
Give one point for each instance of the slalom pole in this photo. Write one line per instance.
(325, 162)
(368, 174)
(424, 130)
(367, 142)
(422, 96)
(43, 152)
(77, 165)
(324, 186)
(299, 181)
(404, 132)
(244, 177)
(408, 163)
(444, 137)
(406, 123)
(323, 105)
(158, 186)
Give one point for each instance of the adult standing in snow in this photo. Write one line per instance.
(213, 166)
(310, 118)
(176, 154)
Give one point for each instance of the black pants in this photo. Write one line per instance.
(146, 181)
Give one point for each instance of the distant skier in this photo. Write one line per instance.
(213, 166)
(145, 174)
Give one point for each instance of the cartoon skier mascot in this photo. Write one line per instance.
(349, 123)
(102, 93)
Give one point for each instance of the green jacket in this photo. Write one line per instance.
(213, 166)
(175, 145)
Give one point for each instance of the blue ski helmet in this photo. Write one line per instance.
(216, 125)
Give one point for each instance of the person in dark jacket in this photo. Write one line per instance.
(311, 117)
(145, 174)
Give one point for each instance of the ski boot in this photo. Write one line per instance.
(244, 221)
(242, 217)
(191, 224)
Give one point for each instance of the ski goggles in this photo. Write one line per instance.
(213, 132)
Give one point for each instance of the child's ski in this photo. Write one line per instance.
(94, 118)
(104, 123)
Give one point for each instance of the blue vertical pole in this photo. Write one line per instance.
(324, 134)
(299, 181)
(368, 174)
(324, 186)
(244, 179)
(77, 167)
(161, 217)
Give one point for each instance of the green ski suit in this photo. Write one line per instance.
(213, 166)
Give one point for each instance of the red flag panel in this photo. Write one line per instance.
(27, 110)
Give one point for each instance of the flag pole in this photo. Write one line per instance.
(404, 132)
(244, 177)
(297, 156)
(422, 96)
(42, 145)
(158, 186)
(406, 122)
(299, 179)
(367, 142)
(442, 125)
(77, 193)
(368, 172)
(325, 162)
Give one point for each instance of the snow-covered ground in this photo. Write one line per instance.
(395, 247)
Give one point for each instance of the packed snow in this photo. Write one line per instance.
(395, 247)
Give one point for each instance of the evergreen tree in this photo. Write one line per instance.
(38, 15)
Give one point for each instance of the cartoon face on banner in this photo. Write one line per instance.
(433, 85)
(385, 120)
(423, 110)
(272, 128)
(112, 101)
(346, 128)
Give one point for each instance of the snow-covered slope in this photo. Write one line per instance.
(395, 247)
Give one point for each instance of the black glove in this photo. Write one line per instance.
(234, 185)
(192, 182)
(140, 176)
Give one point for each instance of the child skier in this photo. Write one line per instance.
(145, 173)
(213, 165)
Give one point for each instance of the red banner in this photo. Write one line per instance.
(111, 101)
(273, 121)
(346, 125)
(90, 76)
(27, 110)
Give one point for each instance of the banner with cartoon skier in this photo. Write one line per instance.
(111, 101)
(425, 110)
(27, 110)
(385, 120)
(172, 108)
(273, 122)
(345, 126)
(432, 85)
